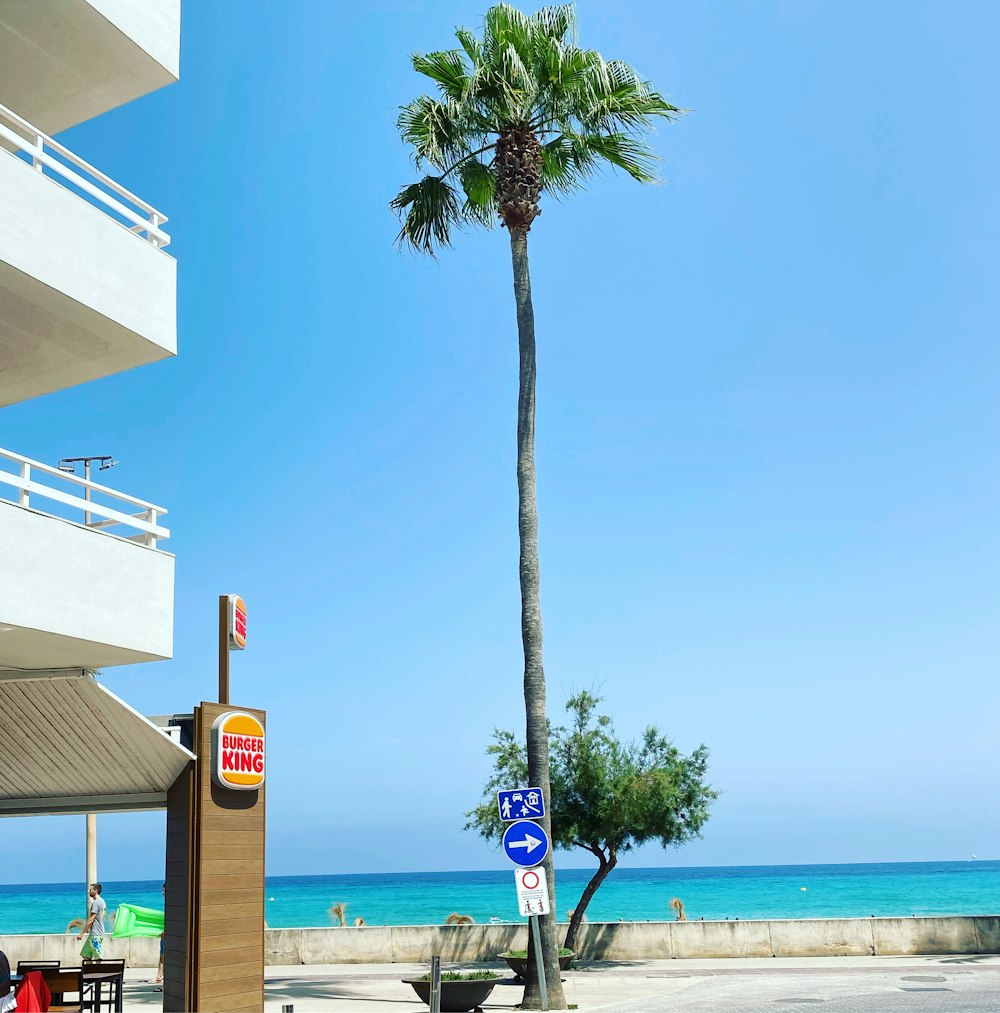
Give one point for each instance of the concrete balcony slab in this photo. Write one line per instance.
(65, 61)
(74, 596)
(82, 295)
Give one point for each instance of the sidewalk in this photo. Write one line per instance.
(958, 984)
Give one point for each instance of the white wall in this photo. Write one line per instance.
(154, 25)
(80, 296)
(598, 941)
(79, 598)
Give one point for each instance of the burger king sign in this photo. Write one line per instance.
(238, 757)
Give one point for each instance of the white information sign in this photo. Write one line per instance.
(532, 891)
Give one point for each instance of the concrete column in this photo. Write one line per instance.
(91, 855)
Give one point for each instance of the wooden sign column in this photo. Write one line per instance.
(214, 938)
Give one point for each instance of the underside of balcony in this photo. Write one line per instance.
(86, 289)
(65, 61)
(50, 341)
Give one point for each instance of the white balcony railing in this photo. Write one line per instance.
(62, 166)
(115, 509)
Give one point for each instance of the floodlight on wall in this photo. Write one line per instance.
(69, 464)
(104, 460)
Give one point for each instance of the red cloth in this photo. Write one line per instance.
(33, 995)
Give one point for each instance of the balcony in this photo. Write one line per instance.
(86, 289)
(65, 61)
(84, 582)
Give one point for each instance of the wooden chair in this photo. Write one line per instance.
(63, 982)
(106, 993)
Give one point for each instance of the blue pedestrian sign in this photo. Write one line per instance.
(525, 843)
(521, 804)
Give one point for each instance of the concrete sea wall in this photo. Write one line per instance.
(814, 937)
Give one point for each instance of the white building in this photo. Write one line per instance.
(87, 289)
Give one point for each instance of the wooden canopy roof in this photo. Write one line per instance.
(69, 745)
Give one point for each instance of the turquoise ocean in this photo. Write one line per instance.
(427, 898)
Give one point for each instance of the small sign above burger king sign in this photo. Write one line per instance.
(237, 623)
(238, 757)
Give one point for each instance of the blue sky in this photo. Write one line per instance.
(766, 433)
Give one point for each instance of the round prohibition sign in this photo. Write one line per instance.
(530, 879)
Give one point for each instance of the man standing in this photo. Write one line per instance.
(95, 922)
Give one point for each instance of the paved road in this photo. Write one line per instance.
(825, 985)
(952, 989)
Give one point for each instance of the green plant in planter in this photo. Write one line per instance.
(463, 976)
(522, 954)
(517, 960)
(460, 990)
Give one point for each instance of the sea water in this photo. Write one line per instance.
(427, 898)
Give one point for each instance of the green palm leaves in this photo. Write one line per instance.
(525, 75)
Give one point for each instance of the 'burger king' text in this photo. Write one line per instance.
(242, 753)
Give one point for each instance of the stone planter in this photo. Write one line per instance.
(456, 996)
(519, 965)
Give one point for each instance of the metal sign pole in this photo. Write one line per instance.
(435, 997)
(537, 938)
(224, 649)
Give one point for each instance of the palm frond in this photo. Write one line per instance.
(557, 22)
(616, 98)
(470, 44)
(569, 160)
(509, 84)
(449, 69)
(507, 79)
(504, 26)
(573, 80)
(428, 209)
(479, 183)
(567, 164)
(435, 129)
(625, 152)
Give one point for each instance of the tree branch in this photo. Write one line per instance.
(594, 849)
(607, 864)
(465, 158)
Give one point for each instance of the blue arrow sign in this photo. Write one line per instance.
(520, 804)
(525, 843)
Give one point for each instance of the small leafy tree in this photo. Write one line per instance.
(607, 796)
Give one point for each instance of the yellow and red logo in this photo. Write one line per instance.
(238, 757)
(237, 623)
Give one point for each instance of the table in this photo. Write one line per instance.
(93, 982)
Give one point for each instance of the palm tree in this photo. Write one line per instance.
(520, 112)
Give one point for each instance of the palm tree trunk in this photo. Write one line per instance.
(605, 867)
(536, 724)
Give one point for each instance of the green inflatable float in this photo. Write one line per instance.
(133, 921)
